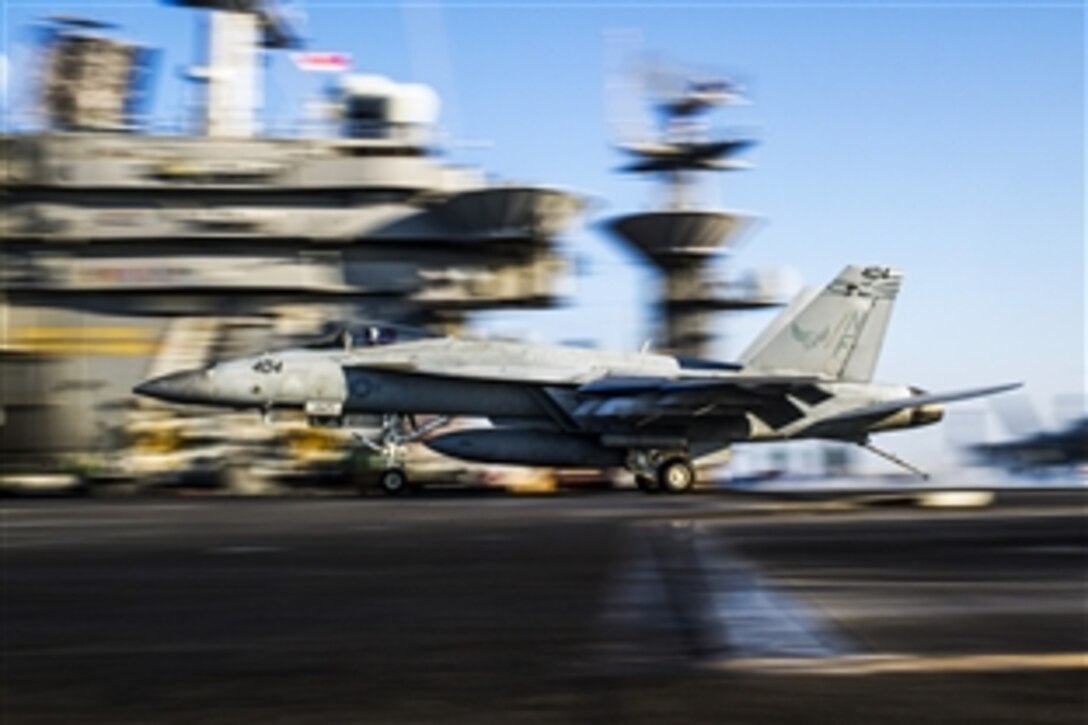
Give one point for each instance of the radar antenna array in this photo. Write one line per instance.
(681, 238)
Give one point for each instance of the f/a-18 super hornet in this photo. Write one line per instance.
(808, 375)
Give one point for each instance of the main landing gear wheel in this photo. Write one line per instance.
(676, 476)
(393, 481)
(647, 484)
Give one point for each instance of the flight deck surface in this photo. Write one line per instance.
(589, 607)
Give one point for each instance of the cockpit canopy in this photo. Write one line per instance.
(347, 337)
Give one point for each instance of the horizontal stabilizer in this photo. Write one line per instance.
(892, 406)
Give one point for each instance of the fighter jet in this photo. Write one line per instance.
(808, 375)
(1053, 450)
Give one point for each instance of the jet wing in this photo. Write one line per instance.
(635, 401)
(620, 385)
(402, 366)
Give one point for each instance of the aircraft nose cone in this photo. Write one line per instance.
(187, 386)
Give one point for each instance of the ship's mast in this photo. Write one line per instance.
(236, 33)
(679, 238)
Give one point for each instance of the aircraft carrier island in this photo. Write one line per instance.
(127, 253)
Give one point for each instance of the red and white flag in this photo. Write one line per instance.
(322, 62)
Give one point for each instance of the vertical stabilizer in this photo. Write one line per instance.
(836, 332)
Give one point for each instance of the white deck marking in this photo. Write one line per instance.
(678, 593)
(756, 619)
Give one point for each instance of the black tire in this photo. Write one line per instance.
(647, 484)
(393, 481)
(676, 475)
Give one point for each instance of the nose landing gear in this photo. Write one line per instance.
(397, 431)
(393, 481)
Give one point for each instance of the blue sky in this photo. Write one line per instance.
(947, 139)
